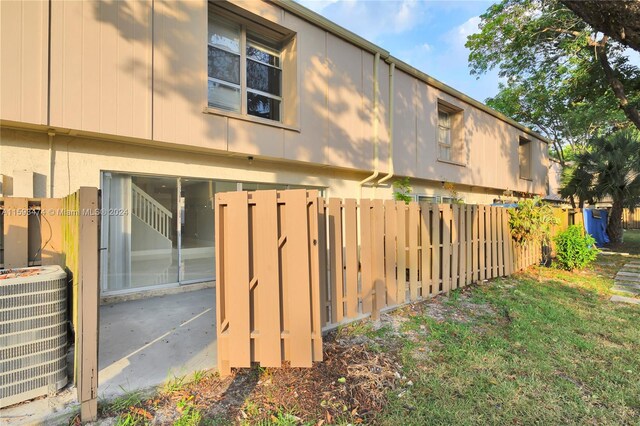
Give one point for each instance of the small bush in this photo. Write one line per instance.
(574, 250)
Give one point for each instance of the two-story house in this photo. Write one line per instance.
(162, 104)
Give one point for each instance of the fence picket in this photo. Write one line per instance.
(446, 248)
(299, 288)
(401, 236)
(414, 229)
(378, 264)
(499, 230)
(366, 286)
(237, 279)
(482, 228)
(425, 243)
(267, 300)
(390, 253)
(336, 271)
(462, 243)
(469, 245)
(436, 242)
(351, 256)
(455, 245)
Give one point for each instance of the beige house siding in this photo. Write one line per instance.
(23, 58)
(137, 72)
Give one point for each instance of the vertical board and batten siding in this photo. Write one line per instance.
(292, 265)
(138, 69)
(24, 31)
(101, 67)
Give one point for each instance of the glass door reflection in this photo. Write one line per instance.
(197, 239)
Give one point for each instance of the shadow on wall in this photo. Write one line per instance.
(180, 91)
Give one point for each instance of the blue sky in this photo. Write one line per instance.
(430, 35)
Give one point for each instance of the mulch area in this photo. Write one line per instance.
(350, 386)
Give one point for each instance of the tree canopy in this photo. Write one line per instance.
(561, 77)
(619, 19)
(611, 168)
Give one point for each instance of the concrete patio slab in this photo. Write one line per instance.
(627, 280)
(145, 342)
(622, 299)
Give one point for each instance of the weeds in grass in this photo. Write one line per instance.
(189, 414)
(131, 419)
(198, 376)
(175, 385)
(127, 400)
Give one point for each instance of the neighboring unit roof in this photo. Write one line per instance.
(316, 19)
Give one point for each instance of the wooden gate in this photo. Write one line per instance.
(268, 279)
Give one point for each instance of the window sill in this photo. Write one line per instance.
(250, 118)
(526, 178)
(455, 163)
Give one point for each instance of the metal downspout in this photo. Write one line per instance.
(52, 161)
(392, 68)
(376, 90)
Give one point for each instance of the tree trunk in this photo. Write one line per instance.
(614, 229)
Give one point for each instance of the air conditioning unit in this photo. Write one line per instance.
(33, 333)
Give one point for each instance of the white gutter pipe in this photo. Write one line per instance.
(51, 164)
(376, 90)
(392, 67)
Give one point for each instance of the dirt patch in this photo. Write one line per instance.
(460, 309)
(350, 386)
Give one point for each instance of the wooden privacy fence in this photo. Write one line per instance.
(291, 264)
(631, 218)
(403, 253)
(62, 231)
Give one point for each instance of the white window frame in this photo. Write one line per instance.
(243, 86)
(270, 51)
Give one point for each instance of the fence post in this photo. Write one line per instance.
(89, 303)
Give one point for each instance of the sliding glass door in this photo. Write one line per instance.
(160, 230)
(197, 250)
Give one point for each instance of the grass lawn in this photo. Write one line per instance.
(536, 348)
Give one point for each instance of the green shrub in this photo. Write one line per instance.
(574, 249)
(402, 190)
(531, 221)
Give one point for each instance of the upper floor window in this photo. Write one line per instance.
(450, 134)
(524, 158)
(244, 69)
(444, 135)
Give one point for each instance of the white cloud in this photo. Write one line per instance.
(446, 59)
(460, 33)
(371, 19)
(317, 5)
